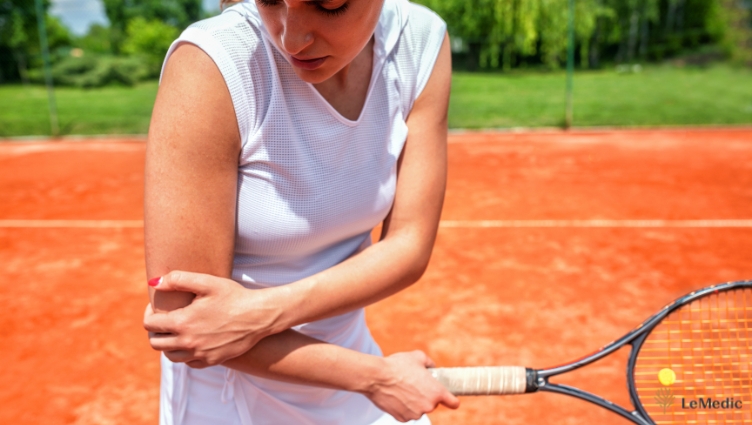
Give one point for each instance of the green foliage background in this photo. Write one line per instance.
(149, 40)
(520, 33)
(19, 38)
(129, 50)
(486, 34)
(176, 13)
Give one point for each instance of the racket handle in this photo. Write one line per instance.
(497, 380)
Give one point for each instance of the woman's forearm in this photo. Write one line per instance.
(370, 276)
(290, 356)
(399, 384)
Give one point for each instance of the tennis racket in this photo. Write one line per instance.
(691, 363)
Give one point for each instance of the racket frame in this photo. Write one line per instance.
(635, 338)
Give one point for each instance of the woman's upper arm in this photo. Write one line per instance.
(191, 169)
(422, 166)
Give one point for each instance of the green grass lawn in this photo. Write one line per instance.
(657, 96)
(109, 110)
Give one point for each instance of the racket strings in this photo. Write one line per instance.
(707, 346)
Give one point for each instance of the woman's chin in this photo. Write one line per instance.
(316, 76)
(312, 77)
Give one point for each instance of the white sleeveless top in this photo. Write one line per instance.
(312, 186)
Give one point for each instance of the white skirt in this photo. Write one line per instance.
(221, 396)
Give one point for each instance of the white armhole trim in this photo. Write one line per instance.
(430, 56)
(226, 66)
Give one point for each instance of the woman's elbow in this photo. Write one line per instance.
(413, 250)
(419, 261)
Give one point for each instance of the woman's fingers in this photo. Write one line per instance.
(199, 284)
(427, 362)
(446, 398)
(197, 364)
(410, 391)
(161, 323)
(148, 311)
(166, 301)
(450, 400)
(179, 356)
(164, 342)
(173, 348)
(421, 358)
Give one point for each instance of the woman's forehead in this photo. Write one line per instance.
(321, 1)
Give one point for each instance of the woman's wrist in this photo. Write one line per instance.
(275, 304)
(292, 303)
(373, 374)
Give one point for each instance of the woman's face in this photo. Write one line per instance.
(320, 37)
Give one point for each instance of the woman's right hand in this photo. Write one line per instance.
(407, 390)
(205, 320)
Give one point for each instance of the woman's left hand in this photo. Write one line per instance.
(223, 321)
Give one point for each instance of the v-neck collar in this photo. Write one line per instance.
(378, 62)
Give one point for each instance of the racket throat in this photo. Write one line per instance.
(532, 381)
(632, 416)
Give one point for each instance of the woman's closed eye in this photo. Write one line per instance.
(320, 5)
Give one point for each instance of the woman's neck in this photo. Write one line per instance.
(347, 90)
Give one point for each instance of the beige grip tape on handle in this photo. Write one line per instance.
(497, 380)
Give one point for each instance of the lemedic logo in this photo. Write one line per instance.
(664, 397)
(709, 403)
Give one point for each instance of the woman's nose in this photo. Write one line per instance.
(296, 35)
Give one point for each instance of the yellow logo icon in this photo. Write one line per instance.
(664, 396)
(667, 377)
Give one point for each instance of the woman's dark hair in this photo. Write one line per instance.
(225, 3)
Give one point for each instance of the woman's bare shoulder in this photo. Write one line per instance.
(189, 65)
(193, 89)
(222, 59)
(194, 110)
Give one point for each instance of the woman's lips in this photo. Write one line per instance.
(308, 64)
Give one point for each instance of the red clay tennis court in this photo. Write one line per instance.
(551, 245)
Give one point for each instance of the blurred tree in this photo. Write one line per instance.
(502, 32)
(149, 39)
(511, 33)
(19, 38)
(177, 13)
(731, 22)
(96, 40)
(58, 35)
(17, 30)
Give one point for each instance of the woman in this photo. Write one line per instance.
(277, 137)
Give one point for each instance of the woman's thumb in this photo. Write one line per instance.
(450, 400)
